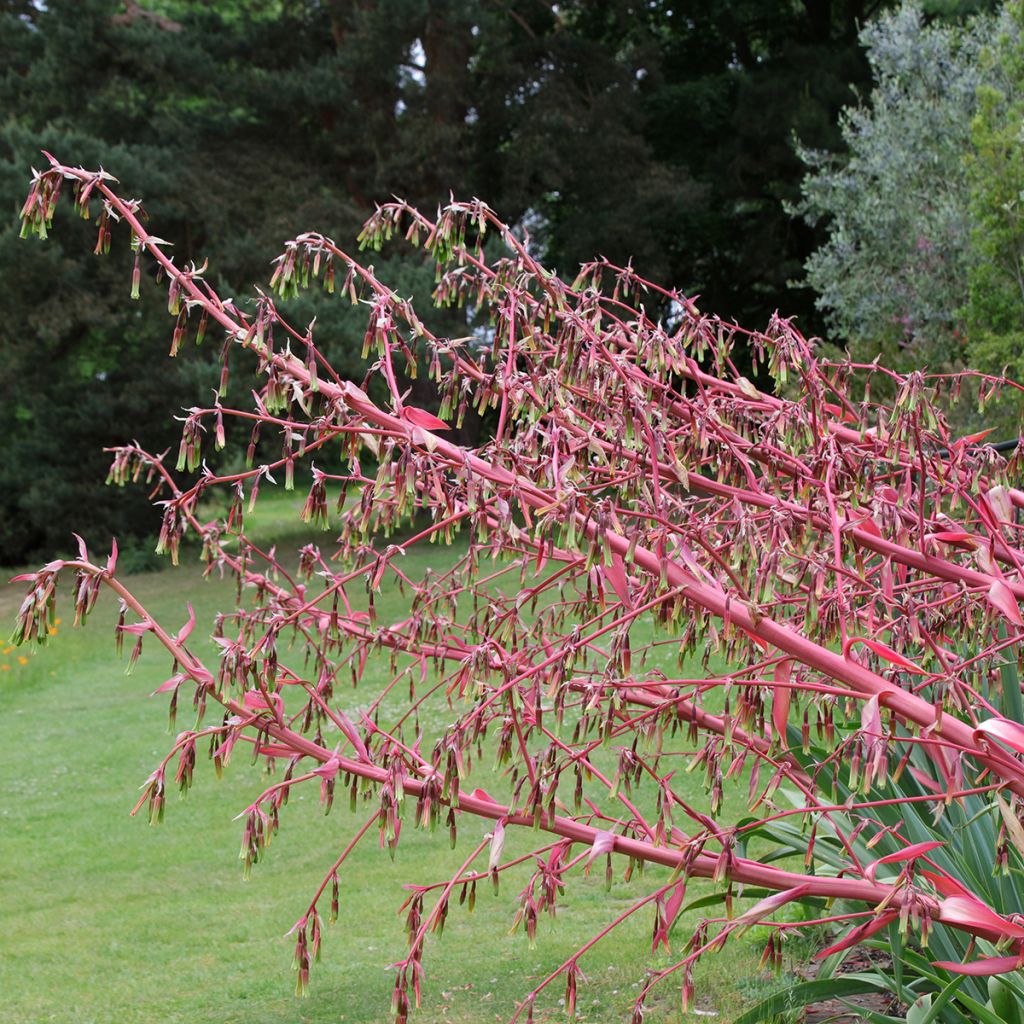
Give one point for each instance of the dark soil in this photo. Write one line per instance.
(835, 1012)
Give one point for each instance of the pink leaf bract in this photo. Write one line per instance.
(770, 904)
(883, 651)
(907, 853)
(1001, 598)
(1002, 729)
(329, 769)
(185, 630)
(781, 698)
(971, 913)
(857, 935)
(617, 577)
(981, 968)
(423, 419)
(604, 842)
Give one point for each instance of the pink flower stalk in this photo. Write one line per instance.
(856, 570)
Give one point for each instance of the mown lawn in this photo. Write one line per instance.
(106, 919)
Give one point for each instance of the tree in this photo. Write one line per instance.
(852, 564)
(669, 124)
(892, 275)
(995, 306)
(197, 93)
(720, 90)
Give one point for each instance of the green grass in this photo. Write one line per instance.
(106, 919)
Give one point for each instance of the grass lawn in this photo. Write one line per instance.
(106, 919)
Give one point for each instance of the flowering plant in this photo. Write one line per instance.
(840, 581)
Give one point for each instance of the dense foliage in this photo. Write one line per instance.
(839, 581)
(893, 272)
(656, 131)
(923, 257)
(995, 307)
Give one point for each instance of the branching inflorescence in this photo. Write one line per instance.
(855, 570)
